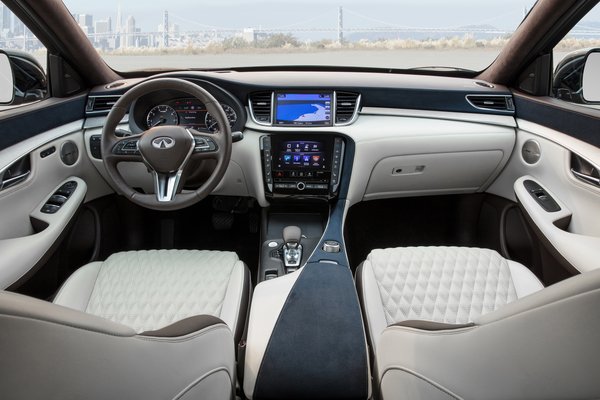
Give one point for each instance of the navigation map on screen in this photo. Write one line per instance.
(303, 109)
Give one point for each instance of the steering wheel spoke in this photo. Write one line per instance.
(165, 185)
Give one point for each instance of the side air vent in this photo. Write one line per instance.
(100, 104)
(261, 107)
(346, 107)
(492, 102)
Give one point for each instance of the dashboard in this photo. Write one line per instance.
(327, 135)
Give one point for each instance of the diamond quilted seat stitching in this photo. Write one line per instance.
(148, 290)
(441, 284)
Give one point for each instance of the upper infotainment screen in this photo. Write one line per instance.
(303, 109)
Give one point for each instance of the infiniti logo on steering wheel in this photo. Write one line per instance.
(163, 142)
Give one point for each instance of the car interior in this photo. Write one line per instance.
(300, 232)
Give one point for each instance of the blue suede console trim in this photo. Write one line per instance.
(21, 123)
(571, 119)
(317, 349)
(335, 232)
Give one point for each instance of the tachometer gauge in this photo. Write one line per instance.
(162, 115)
(211, 122)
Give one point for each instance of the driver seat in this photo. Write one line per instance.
(159, 324)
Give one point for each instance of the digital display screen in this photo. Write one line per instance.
(191, 112)
(303, 109)
(302, 154)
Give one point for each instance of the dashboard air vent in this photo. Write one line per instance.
(492, 102)
(345, 107)
(260, 107)
(97, 104)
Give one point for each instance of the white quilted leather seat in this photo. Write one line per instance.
(140, 325)
(452, 285)
(148, 290)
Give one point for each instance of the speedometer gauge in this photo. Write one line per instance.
(162, 115)
(211, 122)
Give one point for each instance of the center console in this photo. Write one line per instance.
(306, 165)
(301, 174)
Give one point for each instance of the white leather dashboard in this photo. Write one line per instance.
(443, 145)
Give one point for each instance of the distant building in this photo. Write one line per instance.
(6, 19)
(129, 32)
(18, 27)
(249, 35)
(86, 22)
(103, 26)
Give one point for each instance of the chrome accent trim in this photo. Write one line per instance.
(14, 180)
(586, 178)
(270, 123)
(354, 115)
(118, 96)
(163, 142)
(506, 96)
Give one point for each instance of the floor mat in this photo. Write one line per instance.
(416, 221)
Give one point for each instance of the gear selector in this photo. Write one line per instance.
(292, 249)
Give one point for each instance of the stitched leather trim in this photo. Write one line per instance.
(431, 325)
(185, 326)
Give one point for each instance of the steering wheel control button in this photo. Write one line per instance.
(331, 246)
(204, 145)
(127, 147)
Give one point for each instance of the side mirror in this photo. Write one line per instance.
(7, 80)
(591, 77)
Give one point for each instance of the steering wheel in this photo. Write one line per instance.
(166, 150)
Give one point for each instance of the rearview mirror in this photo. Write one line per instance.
(7, 80)
(591, 77)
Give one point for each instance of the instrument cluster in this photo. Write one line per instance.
(188, 112)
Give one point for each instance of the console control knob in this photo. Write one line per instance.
(300, 185)
(331, 246)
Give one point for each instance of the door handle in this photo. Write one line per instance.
(587, 178)
(14, 180)
(584, 170)
(16, 173)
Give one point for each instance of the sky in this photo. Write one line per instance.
(238, 14)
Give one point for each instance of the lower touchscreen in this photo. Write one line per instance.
(298, 154)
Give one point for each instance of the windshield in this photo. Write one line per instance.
(138, 34)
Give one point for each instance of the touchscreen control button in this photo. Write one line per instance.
(300, 186)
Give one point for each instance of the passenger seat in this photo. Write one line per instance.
(453, 322)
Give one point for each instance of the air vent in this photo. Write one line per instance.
(98, 104)
(345, 107)
(260, 107)
(491, 102)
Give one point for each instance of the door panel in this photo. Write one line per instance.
(27, 235)
(572, 234)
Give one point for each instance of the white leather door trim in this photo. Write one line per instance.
(582, 251)
(20, 254)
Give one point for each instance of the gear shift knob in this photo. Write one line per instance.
(292, 250)
(292, 236)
